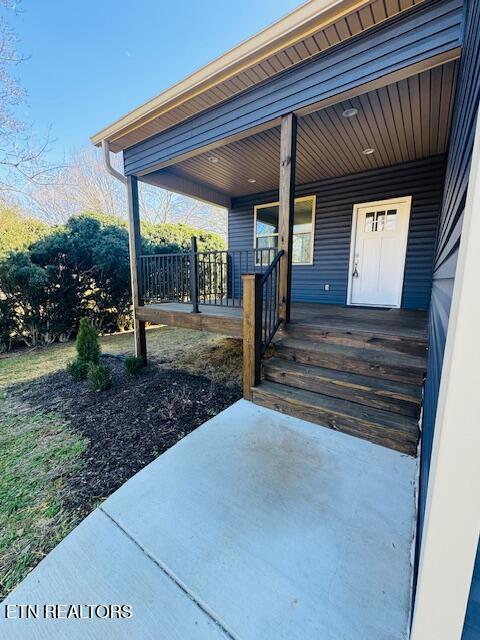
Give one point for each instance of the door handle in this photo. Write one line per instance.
(355, 269)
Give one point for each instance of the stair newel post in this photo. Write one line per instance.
(252, 331)
(194, 274)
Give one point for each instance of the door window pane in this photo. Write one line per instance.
(369, 222)
(391, 219)
(380, 220)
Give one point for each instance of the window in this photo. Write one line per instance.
(375, 221)
(266, 228)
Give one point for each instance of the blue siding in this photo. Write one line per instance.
(424, 31)
(422, 179)
(456, 183)
(471, 630)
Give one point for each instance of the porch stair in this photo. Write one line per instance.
(349, 378)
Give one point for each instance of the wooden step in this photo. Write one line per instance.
(347, 333)
(399, 367)
(381, 427)
(372, 392)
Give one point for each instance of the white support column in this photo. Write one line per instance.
(452, 522)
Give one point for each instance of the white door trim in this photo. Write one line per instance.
(353, 238)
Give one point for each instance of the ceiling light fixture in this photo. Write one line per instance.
(368, 151)
(349, 113)
(251, 180)
(212, 159)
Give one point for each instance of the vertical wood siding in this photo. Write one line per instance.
(422, 179)
(456, 183)
(418, 34)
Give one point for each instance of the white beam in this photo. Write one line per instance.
(452, 523)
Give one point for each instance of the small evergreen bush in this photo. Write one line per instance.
(133, 365)
(77, 369)
(99, 376)
(87, 344)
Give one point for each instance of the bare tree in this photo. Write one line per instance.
(83, 184)
(158, 205)
(22, 155)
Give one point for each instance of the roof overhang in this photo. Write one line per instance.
(306, 31)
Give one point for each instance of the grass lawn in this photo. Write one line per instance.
(64, 448)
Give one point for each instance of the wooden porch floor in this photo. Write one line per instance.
(402, 323)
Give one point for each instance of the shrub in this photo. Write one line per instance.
(18, 232)
(8, 324)
(87, 345)
(50, 277)
(133, 365)
(99, 376)
(169, 237)
(77, 369)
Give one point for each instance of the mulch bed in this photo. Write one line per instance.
(128, 425)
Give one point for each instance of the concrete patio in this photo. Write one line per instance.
(257, 525)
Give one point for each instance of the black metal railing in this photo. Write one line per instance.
(200, 277)
(165, 278)
(270, 301)
(220, 274)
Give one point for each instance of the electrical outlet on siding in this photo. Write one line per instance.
(327, 286)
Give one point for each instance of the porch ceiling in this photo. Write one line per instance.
(404, 121)
(310, 29)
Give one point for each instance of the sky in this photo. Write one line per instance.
(92, 61)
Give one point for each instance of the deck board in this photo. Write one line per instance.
(227, 320)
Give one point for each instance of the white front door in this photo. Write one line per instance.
(377, 260)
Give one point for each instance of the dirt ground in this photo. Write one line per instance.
(128, 425)
(64, 448)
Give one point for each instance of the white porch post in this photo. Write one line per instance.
(452, 522)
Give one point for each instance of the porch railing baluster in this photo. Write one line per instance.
(203, 277)
(194, 275)
(268, 299)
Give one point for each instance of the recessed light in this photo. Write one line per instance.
(251, 180)
(368, 151)
(212, 159)
(349, 113)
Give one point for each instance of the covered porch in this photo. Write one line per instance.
(333, 173)
(334, 201)
(332, 220)
(345, 198)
